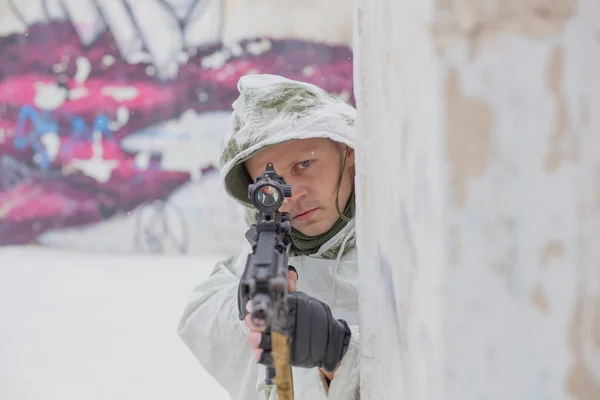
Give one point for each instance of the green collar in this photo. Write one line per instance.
(303, 245)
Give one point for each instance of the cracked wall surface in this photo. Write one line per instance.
(484, 116)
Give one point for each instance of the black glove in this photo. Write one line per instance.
(317, 339)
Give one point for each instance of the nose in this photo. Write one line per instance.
(299, 190)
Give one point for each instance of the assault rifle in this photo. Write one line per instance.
(265, 278)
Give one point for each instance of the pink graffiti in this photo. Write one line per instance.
(63, 196)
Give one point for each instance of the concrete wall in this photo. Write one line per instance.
(479, 193)
(112, 112)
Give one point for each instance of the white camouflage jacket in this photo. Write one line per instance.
(210, 325)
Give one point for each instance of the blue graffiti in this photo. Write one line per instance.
(43, 123)
(80, 131)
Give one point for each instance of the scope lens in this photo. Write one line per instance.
(268, 196)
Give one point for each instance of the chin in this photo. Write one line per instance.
(314, 229)
(310, 232)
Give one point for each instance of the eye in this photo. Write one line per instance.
(303, 164)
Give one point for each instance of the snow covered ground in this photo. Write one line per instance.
(97, 326)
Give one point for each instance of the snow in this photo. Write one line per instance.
(91, 326)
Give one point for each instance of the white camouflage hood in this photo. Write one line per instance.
(272, 109)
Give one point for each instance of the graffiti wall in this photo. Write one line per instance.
(112, 112)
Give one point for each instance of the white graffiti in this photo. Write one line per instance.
(185, 144)
(159, 32)
(96, 167)
(120, 93)
(51, 96)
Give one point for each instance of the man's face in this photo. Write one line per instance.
(312, 167)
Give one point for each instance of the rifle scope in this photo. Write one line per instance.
(269, 191)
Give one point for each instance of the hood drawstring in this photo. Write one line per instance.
(337, 193)
(349, 236)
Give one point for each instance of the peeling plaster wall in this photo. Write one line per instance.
(479, 185)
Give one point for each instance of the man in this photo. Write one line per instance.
(308, 135)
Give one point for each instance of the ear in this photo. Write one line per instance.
(350, 158)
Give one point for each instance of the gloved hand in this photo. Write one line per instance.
(317, 338)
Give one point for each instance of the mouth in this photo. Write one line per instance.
(305, 215)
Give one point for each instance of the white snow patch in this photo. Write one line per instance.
(98, 326)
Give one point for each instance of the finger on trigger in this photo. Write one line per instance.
(254, 338)
(258, 353)
(291, 268)
(292, 279)
(291, 285)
